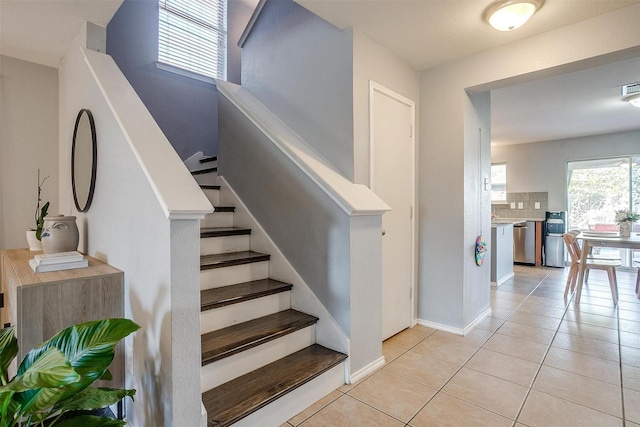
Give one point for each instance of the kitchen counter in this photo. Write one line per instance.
(501, 222)
(501, 252)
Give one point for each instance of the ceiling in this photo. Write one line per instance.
(41, 31)
(425, 33)
(582, 103)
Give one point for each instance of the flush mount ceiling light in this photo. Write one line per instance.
(633, 99)
(631, 94)
(507, 15)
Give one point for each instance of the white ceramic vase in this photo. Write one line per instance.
(625, 229)
(59, 234)
(32, 240)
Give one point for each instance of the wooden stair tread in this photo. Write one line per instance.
(228, 259)
(223, 231)
(203, 171)
(240, 292)
(224, 209)
(209, 187)
(231, 340)
(234, 400)
(209, 159)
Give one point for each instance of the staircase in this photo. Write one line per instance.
(255, 348)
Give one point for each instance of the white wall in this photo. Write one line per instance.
(371, 62)
(28, 141)
(447, 167)
(127, 226)
(541, 166)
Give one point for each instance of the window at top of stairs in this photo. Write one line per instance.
(192, 37)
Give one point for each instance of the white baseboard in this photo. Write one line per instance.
(367, 370)
(458, 331)
(502, 280)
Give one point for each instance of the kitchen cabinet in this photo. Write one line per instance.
(501, 253)
(39, 305)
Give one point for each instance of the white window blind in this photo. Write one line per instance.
(192, 35)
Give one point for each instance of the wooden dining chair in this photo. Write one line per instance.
(573, 248)
(591, 255)
(637, 264)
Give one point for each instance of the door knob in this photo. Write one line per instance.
(384, 232)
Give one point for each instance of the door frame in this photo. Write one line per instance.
(376, 87)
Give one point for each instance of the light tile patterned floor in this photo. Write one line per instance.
(537, 361)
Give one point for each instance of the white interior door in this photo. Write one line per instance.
(392, 178)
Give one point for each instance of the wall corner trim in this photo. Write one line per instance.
(251, 23)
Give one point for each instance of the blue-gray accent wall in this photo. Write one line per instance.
(301, 68)
(185, 109)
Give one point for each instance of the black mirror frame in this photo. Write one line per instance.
(92, 185)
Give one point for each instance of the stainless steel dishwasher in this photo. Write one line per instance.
(524, 242)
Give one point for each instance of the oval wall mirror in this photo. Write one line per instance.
(84, 154)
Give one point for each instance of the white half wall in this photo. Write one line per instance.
(28, 141)
(128, 225)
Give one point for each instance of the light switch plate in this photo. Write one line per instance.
(513, 205)
(520, 205)
(536, 205)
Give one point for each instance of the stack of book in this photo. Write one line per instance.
(58, 261)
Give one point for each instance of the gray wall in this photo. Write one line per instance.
(185, 109)
(296, 212)
(448, 185)
(300, 67)
(28, 141)
(238, 14)
(541, 166)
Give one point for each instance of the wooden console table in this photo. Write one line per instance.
(39, 305)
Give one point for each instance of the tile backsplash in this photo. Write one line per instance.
(528, 201)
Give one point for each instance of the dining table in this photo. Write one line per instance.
(591, 239)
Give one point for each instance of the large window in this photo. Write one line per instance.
(499, 182)
(192, 36)
(597, 188)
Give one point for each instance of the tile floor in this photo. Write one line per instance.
(537, 361)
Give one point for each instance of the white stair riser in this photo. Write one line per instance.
(217, 219)
(212, 320)
(212, 195)
(218, 245)
(221, 371)
(225, 276)
(277, 413)
(207, 178)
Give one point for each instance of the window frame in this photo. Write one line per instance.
(177, 58)
(498, 187)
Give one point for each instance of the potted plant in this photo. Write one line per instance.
(52, 384)
(625, 218)
(34, 235)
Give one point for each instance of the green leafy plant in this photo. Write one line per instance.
(40, 220)
(626, 215)
(52, 386)
(40, 212)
